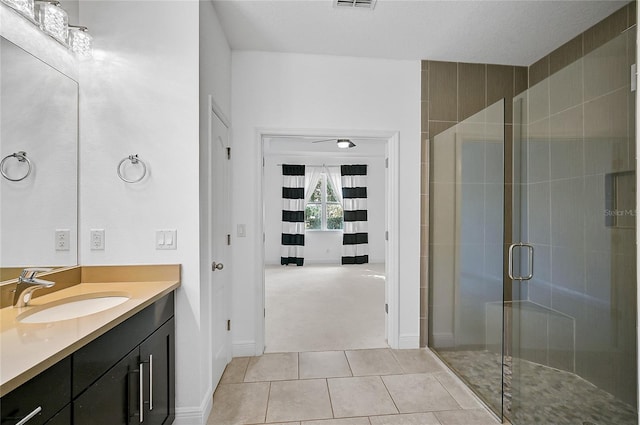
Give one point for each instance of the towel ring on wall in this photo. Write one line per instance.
(134, 160)
(21, 156)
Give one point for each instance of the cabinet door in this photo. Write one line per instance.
(40, 398)
(157, 359)
(114, 399)
(63, 417)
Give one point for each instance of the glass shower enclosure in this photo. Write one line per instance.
(533, 300)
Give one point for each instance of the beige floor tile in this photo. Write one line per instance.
(419, 393)
(235, 370)
(373, 362)
(235, 404)
(347, 421)
(272, 367)
(283, 423)
(466, 417)
(324, 364)
(299, 400)
(417, 361)
(458, 390)
(360, 396)
(407, 419)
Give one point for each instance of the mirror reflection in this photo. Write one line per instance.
(39, 154)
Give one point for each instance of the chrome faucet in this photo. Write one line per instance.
(27, 283)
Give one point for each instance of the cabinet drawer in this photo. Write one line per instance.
(50, 390)
(93, 360)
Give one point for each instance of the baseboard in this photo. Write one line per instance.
(443, 340)
(195, 416)
(408, 341)
(243, 349)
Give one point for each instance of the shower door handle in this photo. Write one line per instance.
(510, 271)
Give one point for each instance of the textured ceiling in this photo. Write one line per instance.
(504, 32)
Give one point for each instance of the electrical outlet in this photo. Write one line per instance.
(97, 239)
(62, 239)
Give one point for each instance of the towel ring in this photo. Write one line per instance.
(21, 156)
(134, 160)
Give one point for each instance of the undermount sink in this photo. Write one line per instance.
(72, 308)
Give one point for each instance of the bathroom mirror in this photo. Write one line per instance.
(39, 154)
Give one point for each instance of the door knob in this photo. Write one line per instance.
(216, 266)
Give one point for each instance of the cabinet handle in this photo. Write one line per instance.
(141, 392)
(150, 381)
(30, 416)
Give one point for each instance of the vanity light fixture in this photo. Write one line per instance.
(53, 19)
(24, 7)
(80, 41)
(345, 144)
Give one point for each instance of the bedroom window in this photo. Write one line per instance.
(323, 210)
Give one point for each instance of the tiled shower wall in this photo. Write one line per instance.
(452, 92)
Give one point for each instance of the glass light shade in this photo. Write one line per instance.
(80, 42)
(345, 143)
(25, 7)
(54, 21)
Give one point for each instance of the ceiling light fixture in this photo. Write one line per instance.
(345, 144)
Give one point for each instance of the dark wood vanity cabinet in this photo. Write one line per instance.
(41, 397)
(126, 376)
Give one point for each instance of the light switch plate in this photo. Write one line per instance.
(166, 239)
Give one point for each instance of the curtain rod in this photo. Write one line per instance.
(314, 166)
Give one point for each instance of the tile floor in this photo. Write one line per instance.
(354, 387)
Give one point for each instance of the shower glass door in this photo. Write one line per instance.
(466, 246)
(572, 323)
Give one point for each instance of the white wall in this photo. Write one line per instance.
(323, 247)
(294, 91)
(139, 95)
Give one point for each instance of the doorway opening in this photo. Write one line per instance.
(325, 305)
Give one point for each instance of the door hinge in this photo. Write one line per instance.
(228, 153)
(264, 312)
(228, 239)
(228, 325)
(386, 308)
(386, 163)
(386, 235)
(263, 161)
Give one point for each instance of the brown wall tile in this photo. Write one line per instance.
(424, 120)
(566, 54)
(539, 71)
(424, 95)
(443, 91)
(424, 65)
(632, 14)
(472, 94)
(500, 85)
(424, 137)
(605, 30)
(520, 79)
(437, 127)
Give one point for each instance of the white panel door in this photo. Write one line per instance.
(219, 248)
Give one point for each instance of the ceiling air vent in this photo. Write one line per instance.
(363, 4)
